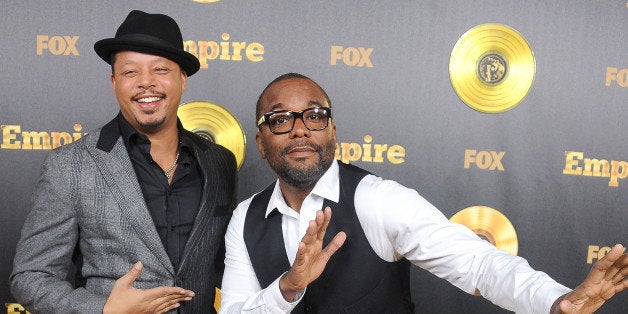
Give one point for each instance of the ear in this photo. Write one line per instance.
(112, 79)
(260, 145)
(184, 79)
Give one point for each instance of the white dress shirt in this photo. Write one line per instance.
(398, 223)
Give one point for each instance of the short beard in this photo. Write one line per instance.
(307, 178)
(150, 127)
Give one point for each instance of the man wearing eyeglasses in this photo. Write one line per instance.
(275, 260)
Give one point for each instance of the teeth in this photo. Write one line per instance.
(148, 99)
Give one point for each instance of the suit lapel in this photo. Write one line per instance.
(118, 172)
(207, 205)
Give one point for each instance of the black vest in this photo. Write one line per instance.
(355, 280)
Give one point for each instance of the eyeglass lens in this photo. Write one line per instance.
(313, 118)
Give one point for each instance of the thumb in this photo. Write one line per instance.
(131, 275)
(336, 243)
(566, 306)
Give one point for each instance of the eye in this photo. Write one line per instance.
(129, 73)
(280, 119)
(314, 116)
(162, 70)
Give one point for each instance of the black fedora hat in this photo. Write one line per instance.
(155, 34)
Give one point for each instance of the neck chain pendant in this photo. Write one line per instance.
(174, 164)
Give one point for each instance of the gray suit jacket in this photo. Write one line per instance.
(89, 215)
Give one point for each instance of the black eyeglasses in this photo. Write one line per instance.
(282, 121)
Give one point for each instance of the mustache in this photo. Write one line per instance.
(149, 92)
(300, 143)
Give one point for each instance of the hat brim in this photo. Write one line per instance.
(187, 61)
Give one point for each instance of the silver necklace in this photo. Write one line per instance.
(174, 164)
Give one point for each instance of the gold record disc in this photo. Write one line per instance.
(490, 225)
(491, 68)
(216, 124)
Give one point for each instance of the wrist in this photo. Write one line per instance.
(289, 292)
(555, 309)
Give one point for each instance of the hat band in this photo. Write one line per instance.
(147, 38)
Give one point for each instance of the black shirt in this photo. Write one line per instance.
(174, 206)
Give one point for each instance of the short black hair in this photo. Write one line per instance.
(258, 106)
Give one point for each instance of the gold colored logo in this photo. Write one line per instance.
(576, 164)
(490, 225)
(368, 152)
(57, 45)
(214, 123)
(14, 308)
(619, 76)
(224, 50)
(491, 160)
(352, 56)
(491, 68)
(13, 137)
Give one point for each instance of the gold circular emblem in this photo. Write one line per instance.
(216, 124)
(490, 225)
(491, 68)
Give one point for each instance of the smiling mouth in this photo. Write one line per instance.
(145, 100)
(149, 104)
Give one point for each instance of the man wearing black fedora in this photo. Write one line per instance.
(131, 217)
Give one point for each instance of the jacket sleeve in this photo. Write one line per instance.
(43, 260)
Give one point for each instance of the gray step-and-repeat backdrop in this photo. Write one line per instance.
(507, 114)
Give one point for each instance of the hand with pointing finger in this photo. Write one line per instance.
(124, 298)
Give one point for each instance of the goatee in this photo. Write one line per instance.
(306, 177)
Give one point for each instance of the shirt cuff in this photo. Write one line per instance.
(277, 297)
(546, 295)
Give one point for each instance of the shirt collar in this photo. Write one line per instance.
(328, 187)
(126, 130)
(128, 133)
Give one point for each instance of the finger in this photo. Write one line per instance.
(313, 228)
(169, 302)
(320, 222)
(566, 306)
(310, 234)
(335, 244)
(620, 281)
(165, 293)
(320, 217)
(622, 269)
(128, 278)
(622, 263)
(323, 228)
(167, 306)
(613, 256)
(619, 288)
(300, 257)
(604, 267)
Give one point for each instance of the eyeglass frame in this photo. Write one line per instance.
(264, 119)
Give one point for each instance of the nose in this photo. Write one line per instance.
(299, 129)
(146, 80)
